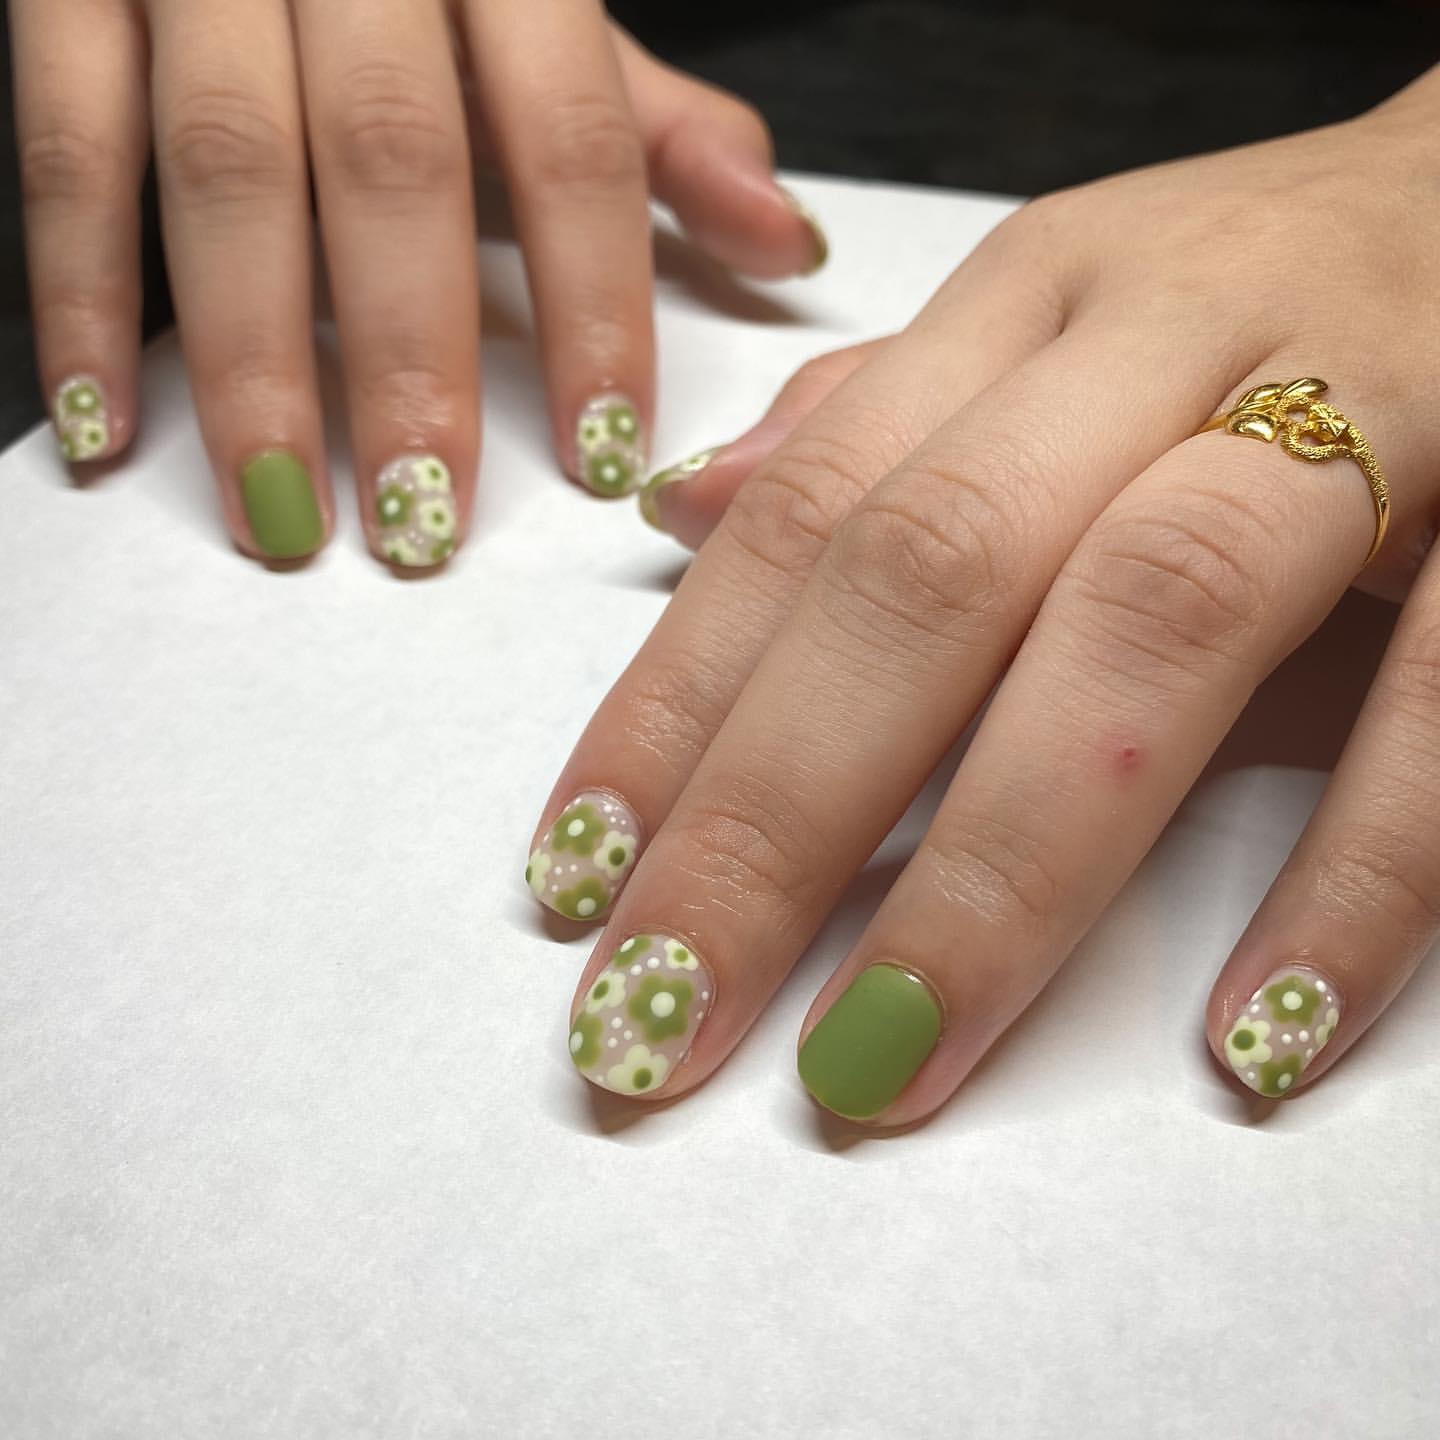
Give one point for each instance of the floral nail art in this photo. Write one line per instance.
(638, 1020)
(82, 421)
(584, 858)
(1287, 1023)
(658, 481)
(415, 511)
(610, 445)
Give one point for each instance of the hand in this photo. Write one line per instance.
(1012, 492)
(250, 100)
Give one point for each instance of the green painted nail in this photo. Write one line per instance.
(870, 1042)
(281, 505)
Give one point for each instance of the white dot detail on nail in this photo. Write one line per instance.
(616, 1023)
(629, 1034)
(635, 969)
(1254, 1009)
(1286, 1038)
(704, 994)
(576, 1041)
(653, 962)
(662, 1005)
(575, 827)
(1283, 1083)
(586, 907)
(1304, 1036)
(1292, 1000)
(612, 1042)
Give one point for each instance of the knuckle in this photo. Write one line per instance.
(998, 870)
(933, 553)
(63, 162)
(386, 137)
(1170, 587)
(589, 141)
(224, 143)
(787, 514)
(751, 842)
(1376, 869)
(671, 709)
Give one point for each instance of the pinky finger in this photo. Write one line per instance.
(688, 500)
(1357, 905)
(81, 125)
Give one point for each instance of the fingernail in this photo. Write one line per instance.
(584, 858)
(870, 1042)
(415, 511)
(650, 491)
(610, 445)
(1286, 1023)
(638, 1020)
(82, 419)
(280, 504)
(822, 245)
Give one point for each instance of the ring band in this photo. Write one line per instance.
(1310, 430)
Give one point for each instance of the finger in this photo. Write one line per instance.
(236, 219)
(393, 178)
(1357, 904)
(900, 634)
(646, 738)
(556, 109)
(710, 159)
(1189, 588)
(687, 500)
(81, 125)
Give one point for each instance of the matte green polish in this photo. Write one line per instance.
(281, 506)
(870, 1042)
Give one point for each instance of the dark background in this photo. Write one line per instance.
(1016, 96)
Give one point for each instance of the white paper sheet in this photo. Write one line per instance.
(290, 1144)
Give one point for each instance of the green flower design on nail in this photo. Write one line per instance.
(641, 1070)
(432, 475)
(392, 506)
(81, 399)
(609, 473)
(399, 551)
(436, 517)
(578, 829)
(630, 951)
(82, 425)
(615, 853)
(583, 901)
(536, 869)
(592, 432)
(1292, 1000)
(606, 993)
(585, 1040)
(622, 423)
(679, 957)
(416, 511)
(1245, 1044)
(1277, 1076)
(659, 1005)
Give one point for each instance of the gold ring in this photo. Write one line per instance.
(1309, 430)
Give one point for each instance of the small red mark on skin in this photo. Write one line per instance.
(1128, 759)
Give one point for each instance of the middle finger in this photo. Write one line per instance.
(903, 629)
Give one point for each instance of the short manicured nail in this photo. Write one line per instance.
(822, 245)
(584, 858)
(280, 504)
(415, 514)
(610, 445)
(1285, 1024)
(638, 1020)
(870, 1042)
(82, 419)
(650, 492)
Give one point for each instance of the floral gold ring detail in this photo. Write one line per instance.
(1310, 430)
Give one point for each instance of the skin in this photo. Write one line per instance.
(380, 105)
(1011, 492)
